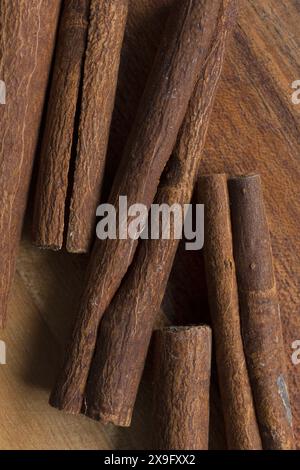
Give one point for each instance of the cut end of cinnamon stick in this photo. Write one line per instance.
(206, 181)
(118, 419)
(245, 176)
(45, 246)
(61, 401)
(77, 247)
(184, 330)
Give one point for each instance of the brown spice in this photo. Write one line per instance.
(182, 360)
(127, 325)
(236, 395)
(184, 46)
(259, 312)
(105, 36)
(26, 44)
(52, 185)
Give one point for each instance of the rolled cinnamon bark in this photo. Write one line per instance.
(52, 184)
(259, 312)
(182, 360)
(236, 395)
(177, 66)
(126, 327)
(26, 44)
(105, 37)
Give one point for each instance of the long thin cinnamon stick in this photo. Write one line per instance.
(182, 359)
(26, 44)
(52, 185)
(105, 36)
(260, 314)
(236, 395)
(183, 49)
(127, 325)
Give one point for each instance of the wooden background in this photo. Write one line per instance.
(254, 127)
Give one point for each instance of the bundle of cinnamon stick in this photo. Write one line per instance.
(246, 327)
(182, 66)
(127, 276)
(245, 314)
(77, 126)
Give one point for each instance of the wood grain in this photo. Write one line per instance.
(254, 127)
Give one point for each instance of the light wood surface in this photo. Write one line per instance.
(254, 127)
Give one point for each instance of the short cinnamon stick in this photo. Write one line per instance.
(236, 395)
(52, 184)
(182, 360)
(105, 36)
(27, 39)
(259, 311)
(126, 327)
(187, 38)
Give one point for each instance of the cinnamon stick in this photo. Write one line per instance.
(182, 360)
(260, 314)
(105, 36)
(26, 44)
(126, 327)
(52, 184)
(184, 46)
(236, 395)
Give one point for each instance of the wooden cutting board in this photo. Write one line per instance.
(255, 127)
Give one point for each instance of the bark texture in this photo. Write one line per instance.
(105, 36)
(187, 38)
(237, 401)
(52, 185)
(127, 324)
(260, 314)
(26, 44)
(182, 360)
